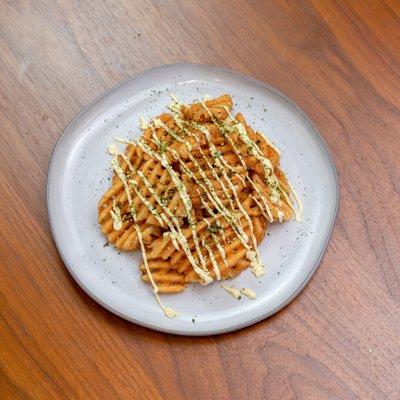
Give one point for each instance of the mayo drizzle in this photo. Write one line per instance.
(248, 293)
(299, 211)
(236, 224)
(261, 208)
(271, 179)
(173, 239)
(252, 254)
(179, 235)
(225, 211)
(159, 124)
(116, 216)
(173, 233)
(256, 267)
(216, 241)
(232, 170)
(232, 291)
(213, 260)
(161, 218)
(190, 174)
(188, 207)
(253, 149)
(112, 150)
(212, 196)
(214, 152)
(212, 214)
(235, 293)
(217, 178)
(143, 124)
(169, 312)
(149, 206)
(263, 199)
(186, 202)
(176, 104)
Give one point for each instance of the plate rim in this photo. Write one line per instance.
(238, 326)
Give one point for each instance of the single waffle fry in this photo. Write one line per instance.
(198, 113)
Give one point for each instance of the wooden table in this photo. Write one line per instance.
(340, 339)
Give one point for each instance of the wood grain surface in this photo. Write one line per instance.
(339, 60)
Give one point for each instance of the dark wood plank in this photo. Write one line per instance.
(340, 338)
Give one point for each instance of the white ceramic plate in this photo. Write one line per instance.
(80, 171)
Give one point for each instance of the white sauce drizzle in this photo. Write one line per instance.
(236, 224)
(259, 267)
(213, 260)
(261, 208)
(177, 232)
(116, 216)
(252, 254)
(188, 207)
(274, 194)
(217, 178)
(212, 214)
(143, 124)
(112, 150)
(256, 267)
(212, 194)
(248, 293)
(161, 218)
(187, 204)
(149, 206)
(298, 212)
(230, 217)
(169, 312)
(262, 197)
(176, 102)
(253, 149)
(159, 124)
(232, 291)
(173, 239)
(218, 245)
(232, 170)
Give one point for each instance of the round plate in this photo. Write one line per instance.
(80, 172)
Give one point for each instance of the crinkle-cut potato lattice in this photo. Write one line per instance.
(195, 194)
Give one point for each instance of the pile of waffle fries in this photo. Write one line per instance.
(195, 193)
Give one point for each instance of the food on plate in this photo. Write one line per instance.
(195, 194)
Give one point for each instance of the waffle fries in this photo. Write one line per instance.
(195, 193)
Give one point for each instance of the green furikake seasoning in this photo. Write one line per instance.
(214, 228)
(162, 147)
